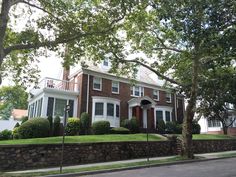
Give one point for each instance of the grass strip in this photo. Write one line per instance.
(97, 168)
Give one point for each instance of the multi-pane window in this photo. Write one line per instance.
(156, 95)
(168, 97)
(115, 87)
(98, 109)
(60, 105)
(167, 116)
(110, 109)
(159, 115)
(213, 123)
(97, 83)
(137, 91)
(117, 111)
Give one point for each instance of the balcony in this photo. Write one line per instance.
(56, 85)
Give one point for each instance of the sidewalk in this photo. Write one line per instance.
(206, 156)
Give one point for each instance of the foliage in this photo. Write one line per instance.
(161, 126)
(101, 127)
(17, 125)
(131, 124)
(34, 128)
(173, 128)
(50, 120)
(5, 113)
(24, 119)
(84, 119)
(5, 134)
(196, 128)
(57, 126)
(15, 133)
(73, 126)
(119, 130)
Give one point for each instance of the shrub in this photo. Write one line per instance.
(6, 135)
(84, 119)
(161, 126)
(196, 128)
(24, 119)
(173, 128)
(17, 125)
(101, 127)
(73, 126)
(57, 126)
(15, 133)
(119, 130)
(50, 120)
(34, 128)
(131, 124)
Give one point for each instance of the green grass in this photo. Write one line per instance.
(95, 168)
(212, 137)
(228, 155)
(84, 139)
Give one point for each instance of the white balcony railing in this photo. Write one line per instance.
(58, 84)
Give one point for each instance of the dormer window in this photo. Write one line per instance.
(105, 62)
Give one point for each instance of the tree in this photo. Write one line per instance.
(217, 92)
(179, 37)
(50, 25)
(12, 97)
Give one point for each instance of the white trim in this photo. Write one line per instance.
(158, 95)
(170, 96)
(87, 105)
(140, 88)
(118, 84)
(163, 109)
(95, 77)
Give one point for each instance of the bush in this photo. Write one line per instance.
(173, 128)
(6, 135)
(17, 125)
(24, 119)
(196, 128)
(34, 128)
(84, 119)
(101, 127)
(119, 130)
(15, 133)
(73, 126)
(131, 124)
(57, 126)
(50, 120)
(161, 126)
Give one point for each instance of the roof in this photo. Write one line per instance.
(19, 113)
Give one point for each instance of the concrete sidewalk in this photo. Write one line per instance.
(205, 156)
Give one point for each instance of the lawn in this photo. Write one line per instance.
(212, 137)
(86, 139)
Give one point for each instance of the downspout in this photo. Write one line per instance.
(175, 107)
(87, 105)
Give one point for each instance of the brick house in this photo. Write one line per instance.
(106, 97)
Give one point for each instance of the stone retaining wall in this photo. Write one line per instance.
(19, 157)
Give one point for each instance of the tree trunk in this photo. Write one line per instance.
(189, 114)
(225, 129)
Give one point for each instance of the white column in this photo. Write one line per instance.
(130, 112)
(144, 118)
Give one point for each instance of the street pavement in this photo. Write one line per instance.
(213, 168)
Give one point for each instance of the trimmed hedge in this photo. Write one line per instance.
(34, 128)
(119, 130)
(15, 133)
(6, 135)
(56, 126)
(161, 126)
(131, 124)
(196, 128)
(101, 127)
(173, 128)
(73, 126)
(84, 120)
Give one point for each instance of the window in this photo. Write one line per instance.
(156, 95)
(115, 87)
(110, 109)
(60, 105)
(159, 115)
(168, 97)
(97, 83)
(137, 91)
(98, 109)
(167, 116)
(105, 62)
(213, 123)
(117, 111)
(39, 107)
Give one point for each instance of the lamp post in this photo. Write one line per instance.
(67, 108)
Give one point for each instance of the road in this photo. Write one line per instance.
(214, 168)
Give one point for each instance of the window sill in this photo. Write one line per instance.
(116, 93)
(97, 89)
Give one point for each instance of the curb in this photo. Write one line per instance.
(135, 167)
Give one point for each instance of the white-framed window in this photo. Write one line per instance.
(163, 113)
(168, 115)
(213, 123)
(60, 105)
(115, 87)
(168, 97)
(137, 91)
(99, 109)
(105, 62)
(110, 109)
(97, 83)
(156, 95)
